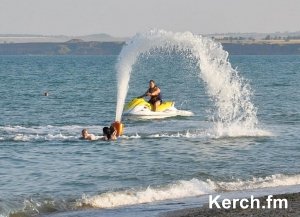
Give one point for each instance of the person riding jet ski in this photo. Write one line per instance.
(154, 93)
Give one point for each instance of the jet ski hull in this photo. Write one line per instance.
(141, 108)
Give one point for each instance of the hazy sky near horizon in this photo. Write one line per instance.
(127, 17)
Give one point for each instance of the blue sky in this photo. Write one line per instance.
(127, 17)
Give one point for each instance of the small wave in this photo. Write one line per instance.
(47, 129)
(32, 207)
(22, 137)
(49, 137)
(266, 182)
(45, 133)
(215, 133)
(182, 189)
(136, 136)
(59, 137)
(186, 134)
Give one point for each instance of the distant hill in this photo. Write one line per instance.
(72, 47)
(28, 38)
(101, 37)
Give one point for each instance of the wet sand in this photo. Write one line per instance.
(293, 209)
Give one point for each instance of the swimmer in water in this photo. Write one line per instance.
(109, 133)
(86, 135)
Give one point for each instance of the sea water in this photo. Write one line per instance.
(46, 169)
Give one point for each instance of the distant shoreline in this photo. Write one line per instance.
(77, 47)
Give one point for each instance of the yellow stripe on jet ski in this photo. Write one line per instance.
(142, 102)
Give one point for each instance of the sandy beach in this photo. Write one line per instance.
(293, 209)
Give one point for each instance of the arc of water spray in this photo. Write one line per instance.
(230, 93)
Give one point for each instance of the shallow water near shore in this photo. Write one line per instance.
(47, 170)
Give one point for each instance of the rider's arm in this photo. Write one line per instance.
(145, 94)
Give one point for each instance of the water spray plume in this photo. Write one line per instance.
(230, 93)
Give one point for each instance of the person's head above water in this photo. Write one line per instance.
(112, 129)
(84, 133)
(109, 133)
(106, 131)
(152, 84)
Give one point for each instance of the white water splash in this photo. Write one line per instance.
(230, 93)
